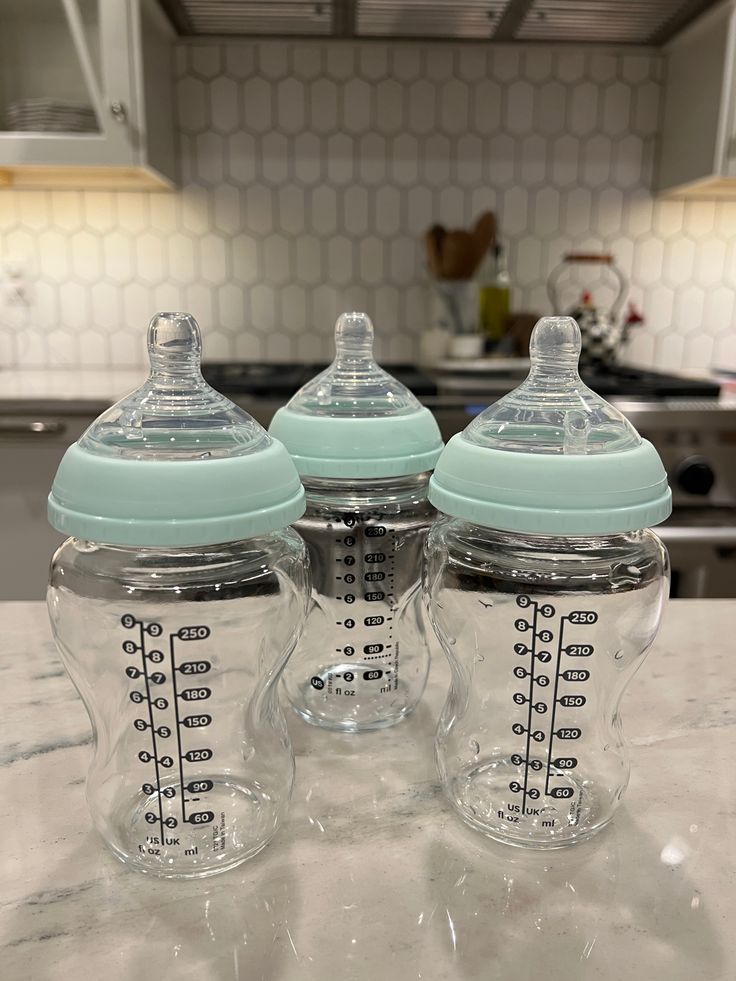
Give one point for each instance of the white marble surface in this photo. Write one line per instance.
(373, 877)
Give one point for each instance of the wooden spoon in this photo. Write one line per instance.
(458, 256)
(484, 235)
(434, 239)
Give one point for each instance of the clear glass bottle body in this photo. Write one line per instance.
(177, 655)
(363, 658)
(543, 634)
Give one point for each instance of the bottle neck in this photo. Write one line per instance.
(373, 491)
(495, 538)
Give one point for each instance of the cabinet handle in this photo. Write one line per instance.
(34, 427)
(119, 112)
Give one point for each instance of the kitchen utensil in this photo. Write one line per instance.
(459, 251)
(175, 606)
(458, 306)
(434, 239)
(456, 255)
(545, 590)
(364, 447)
(484, 235)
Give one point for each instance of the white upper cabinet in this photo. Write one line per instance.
(86, 95)
(697, 154)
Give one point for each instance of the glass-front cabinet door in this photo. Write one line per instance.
(67, 83)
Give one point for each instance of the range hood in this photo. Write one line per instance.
(631, 22)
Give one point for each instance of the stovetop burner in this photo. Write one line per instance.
(641, 383)
(281, 381)
(268, 379)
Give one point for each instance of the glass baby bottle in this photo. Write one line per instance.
(545, 589)
(363, 446)
(175, 605)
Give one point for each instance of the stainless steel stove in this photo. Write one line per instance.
(694, 433)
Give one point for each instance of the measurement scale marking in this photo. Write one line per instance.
(531, 703)
(178, 729)
(554, 704)
(358, 532)
(153, 730)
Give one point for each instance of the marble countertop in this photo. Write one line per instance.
(372, 877)
(65, 389)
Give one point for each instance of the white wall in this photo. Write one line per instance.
(310, 171)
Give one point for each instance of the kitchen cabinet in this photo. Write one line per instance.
(697, 153)
(31, 448)
(86, 94)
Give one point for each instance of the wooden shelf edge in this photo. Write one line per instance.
(36, 177)
(714, 188)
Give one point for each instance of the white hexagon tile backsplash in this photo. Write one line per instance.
(310, 171)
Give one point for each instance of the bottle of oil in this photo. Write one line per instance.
(495, 294)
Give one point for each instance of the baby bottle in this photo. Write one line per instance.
(363, 446)
(175, 604)
(545, 590)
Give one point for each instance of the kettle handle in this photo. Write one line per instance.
(587, 258)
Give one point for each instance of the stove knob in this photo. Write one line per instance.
(695, 476)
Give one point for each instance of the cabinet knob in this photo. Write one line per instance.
(695, 475)
(119, 112)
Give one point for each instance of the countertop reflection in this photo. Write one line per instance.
(372, 877)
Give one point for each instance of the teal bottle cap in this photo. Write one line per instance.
(355, 419)
(552, 457)
(174, 463)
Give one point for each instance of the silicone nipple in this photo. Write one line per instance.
(350, 372)
(354, 340)
(354, 384)
(553, 410)
(175, 384)
(175, 414)
(354, 419)
(554, 351)
(175, 346)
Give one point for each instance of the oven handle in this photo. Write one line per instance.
(673, 535)
(31, 427)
